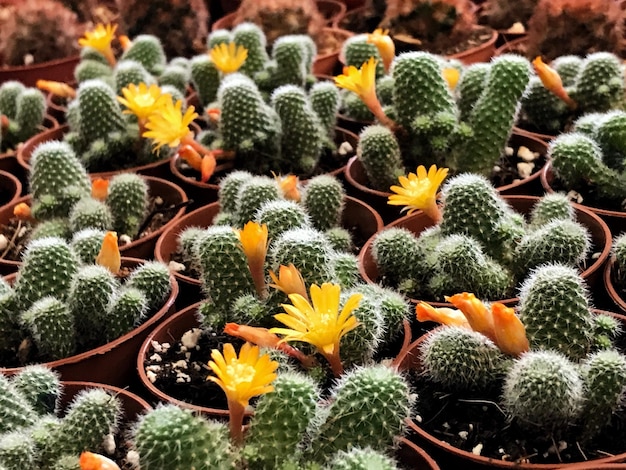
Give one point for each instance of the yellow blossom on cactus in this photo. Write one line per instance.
(419, 191)
(228, 58)
(142, 100)
(168, 125)
(510, 332)
(289, 280)
(109, 255)
(477, 313)
(100, 39)
(451, 75)
(241, 377)
(320, 324)
(289, 186)
(60, 89)
(253, 238)
(386, 48)
(551, 80)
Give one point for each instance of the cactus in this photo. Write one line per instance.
(250, 36)
(203, 445)
(252, 194)
(356, 51)
(378, 389)
(470, 86)
(90, 213)
(89, 69)
(130, 71)
(554, 308)
(543, 390)
(153, 279)
(15, 410)
(40, 386)
(324, 199)
(280, 420)
(379, 152)
(325, 101)
(345, 268)
(29, 116)
(17, 450)
(395, 250)
(205, 78)
(361, 459)
(10, 334)
(229, 189)
(51, 325)
(129, 308)
(610, 135)
(340, 239)
(56, 227)
(175, 76)
(148, 51)
(293, 55)
(128, 201)
(57, 180)
(86, 244)
(281, 215)
(47, 269)
(100, 113)
(550, 207)
(9, 94)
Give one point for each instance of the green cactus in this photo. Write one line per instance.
(543, 390)
(293, 55)
(357, 50)
(148, 51)
(89, 69)
(57, 180)
(379, 152)
(51, 325)
(205, 78)
(31, 110)
(47, 270)
(17, 450)
(86, 244)
(353, 107)
(91, 292)
(369, 407)
(56, 227)
(40, 386)
(604, 380)
(394, 308)
(543, 109)
(153, 279)
(307, 249)
(9, 94)
(100, 113)
(395, 250)
(550, 207)
(361, 459)
(252, 194)
(600, 83)
(281, 215)
(130, 71)
(128, 309)
(568, 67)
(90, 213)
(345, 268)
(340, 239)
(301, 146)
(325, 101)
(324, 199)
(10, 333)
(128, 201)
(280, 420)
(229, 189)
(67, 462)
(15, 410)
(219, 36)
(554, 308)
(204, 445)
(610, 135)
(187, 241)
(175, 76)
(471, 85)
(250, 36)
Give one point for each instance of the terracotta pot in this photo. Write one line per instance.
(170, 331)
(616, 220)
(328, 64)
(517, 46)
(159, 169)
(60, 70)
(111, 363)
(453, 457)
(594, 466)
(412, 456)
(205, 193)
(10, 189)
(418, 222)
(357, 215)
(358, 183)
(610, 287)
(142, 247)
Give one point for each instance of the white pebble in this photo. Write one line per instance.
(345, 148)
(22, 232)
(525, 169)
(463, 434)
(187, 355)
(478, 448)
(152, 377)
(508, 151)
(156, 358)
(133, 458)
(154, 368)
(190, 338)
(158, 200)
(4, 242)
(182, 364)
(182, 378)
(418, 418)
(526, 154)
(125, 240)
(109, 444)
(196, 366)
(183, 349)
(165, 346)
(575, 196)
(158, 347)
(176, 267)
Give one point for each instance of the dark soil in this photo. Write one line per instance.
(507, 168)
(17, 233)
(443, 44)
(477, 423)
(587, 195)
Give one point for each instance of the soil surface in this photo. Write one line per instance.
(587, 195)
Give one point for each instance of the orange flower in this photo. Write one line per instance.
(386, 48)
(477, 314)
(22, 211)
(552, 81)
(125, 42)
(419, 191)
(253, 240)
(443, 315)
(91, 461)
(289, 186)
(289, 281)
(509, 330)
(451, 76)
(100, 189)
(60, 89)
(109, 255)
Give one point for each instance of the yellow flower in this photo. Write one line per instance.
(289, 280)
(320, 324)
(60, 89)
(142, 100)
(169, 126)
(241, 378)
(451, 76)
(289, 186)
(419, 191)
(253, 240)
(363, 82)
(100, 39)
(228, 58)
(386, 48)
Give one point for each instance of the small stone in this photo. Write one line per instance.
(508, 151)
(345, 148)
(125, 240)
(109, 444)
(4, 242)
(190, 338)
(156, 358)
(156, 346)
(182, 364)
(22, 232)
(463, 435)
(132, 457)
(575, 196)
(165, 346)
(196, 366)
(517, 28)
(478, 448)
(525, 169)
(154, 368)
(183, 349)
(418, 418)
(158, 200)
(176, 267)
(187, 355)
(182, 378)
(526, 154)
(152, 377)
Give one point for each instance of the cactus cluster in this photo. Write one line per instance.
(24, 109)
(570, 381)
(463, 126)
(491, 255)
(60, 306)
(291, 428)
(34, 435)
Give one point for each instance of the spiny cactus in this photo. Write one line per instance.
(324, 199)
(148, 51)
(379, 152)
(25, 112)
(551, 206)
(153, 279)
(128, 201)
(40, 386)
(252, 194)
(205, 78)
(15, 410)
(90, 213)
(86, 244)
(128, 309)
(281, 215)
(51, 325)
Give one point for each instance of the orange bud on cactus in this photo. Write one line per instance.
(60, 89)
(552, 81)
(256, 335)
(125, 42)
(477, 313)
(91, 461)
(443, 315)
(22, 211)
(100, 189)
(207, 167)
(191, 156)
(109, 255)
(509, 331)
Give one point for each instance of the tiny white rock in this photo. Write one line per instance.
(463, 434)
(508, 151)
(4, 242)
(176, 267)
(525, 169)
(132, 457)
(575, 196)
(526, 154)
(109, 444)
(156, 346)
(190, 338)
(22, 232)
(345, 148)
(152, 377)
(478, 448)
(125, 240)
(182, 364)
(154, 368)
(165, 346)
(156, 358)
(182, 378)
